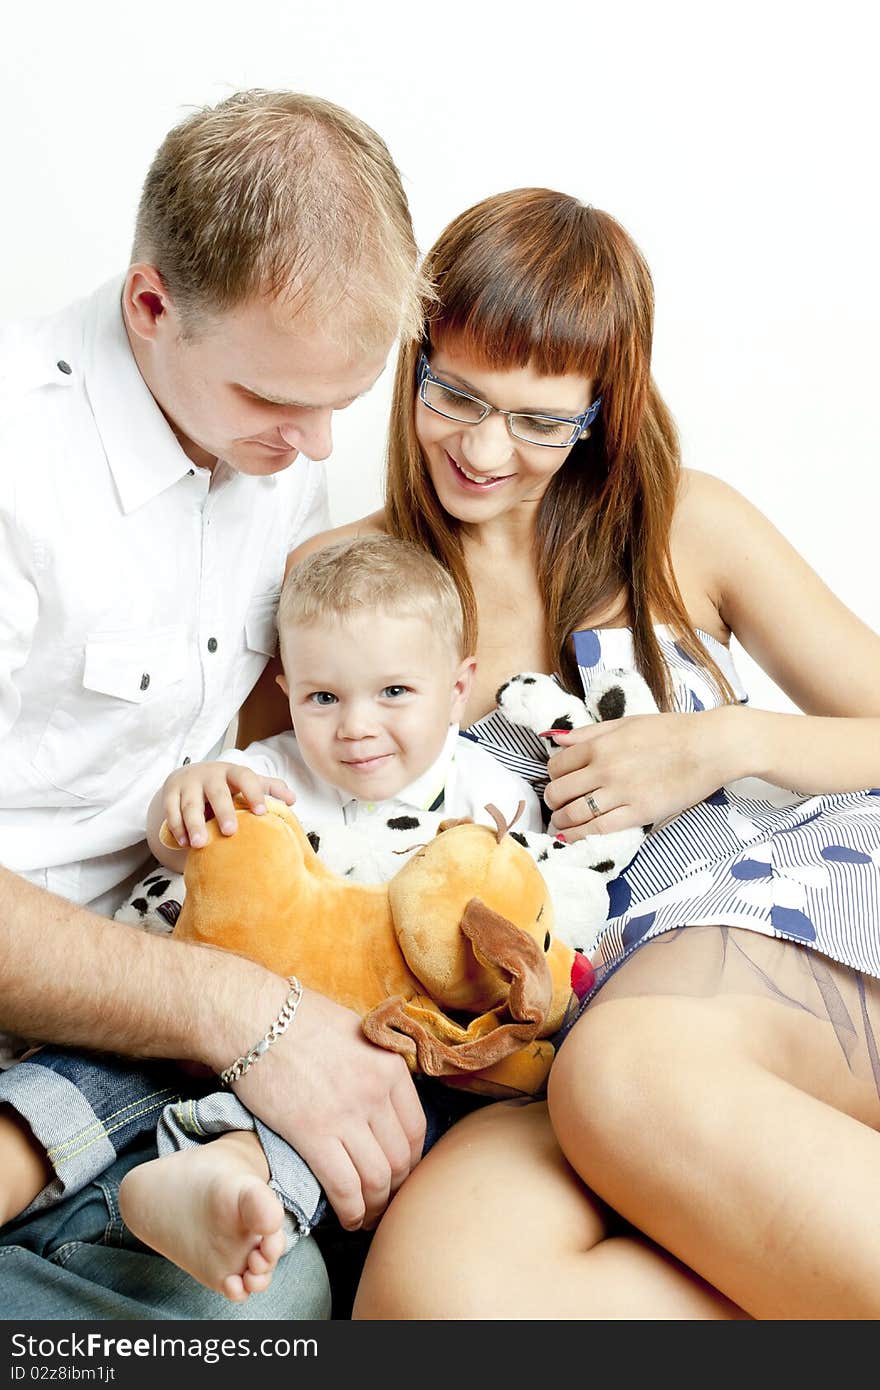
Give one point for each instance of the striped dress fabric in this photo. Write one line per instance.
(800, 868)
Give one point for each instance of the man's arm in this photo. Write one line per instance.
(70, 976)
(348, 1107)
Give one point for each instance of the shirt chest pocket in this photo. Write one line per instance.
(260, 631)
(259, 641)
(117, 714)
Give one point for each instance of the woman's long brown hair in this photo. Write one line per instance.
(535, 278)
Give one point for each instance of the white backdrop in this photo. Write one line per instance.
(737, 143)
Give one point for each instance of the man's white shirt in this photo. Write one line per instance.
(460, 783)
(138, 597)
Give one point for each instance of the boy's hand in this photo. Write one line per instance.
(191, 791)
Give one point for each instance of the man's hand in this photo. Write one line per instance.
(349, 1108)
(190, 791)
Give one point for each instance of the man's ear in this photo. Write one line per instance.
(461, 689)
(281, 681)
(146, 301)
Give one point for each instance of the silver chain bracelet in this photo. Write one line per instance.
(242, 1065)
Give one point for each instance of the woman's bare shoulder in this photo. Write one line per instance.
(703, 497)
(373, 525)
(709, 515)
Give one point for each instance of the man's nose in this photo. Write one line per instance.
(311, 433)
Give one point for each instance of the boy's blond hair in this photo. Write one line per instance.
(372, 574)
(291, 197)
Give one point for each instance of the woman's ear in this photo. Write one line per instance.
(461, 689)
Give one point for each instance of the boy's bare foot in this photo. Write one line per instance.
(210, 1211)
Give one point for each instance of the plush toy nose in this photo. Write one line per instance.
(582, 975)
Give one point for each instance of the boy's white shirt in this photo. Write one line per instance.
(466, 775)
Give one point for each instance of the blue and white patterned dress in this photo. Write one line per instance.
(797, 868)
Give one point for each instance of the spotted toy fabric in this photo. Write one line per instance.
(792, 867)
(576, 874)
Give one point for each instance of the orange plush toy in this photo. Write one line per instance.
(452, 963)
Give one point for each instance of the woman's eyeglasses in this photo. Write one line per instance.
(550, 431)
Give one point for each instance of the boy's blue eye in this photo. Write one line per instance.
(393, 692)
(323, 697)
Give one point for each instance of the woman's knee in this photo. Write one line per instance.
(626, 1066)
(493, 1196)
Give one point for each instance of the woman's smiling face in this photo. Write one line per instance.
(481, 472)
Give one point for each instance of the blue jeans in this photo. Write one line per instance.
(86, 1109)
(79, 1261)
(70, 1254)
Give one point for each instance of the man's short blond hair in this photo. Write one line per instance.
(287, 196)
(367, 575)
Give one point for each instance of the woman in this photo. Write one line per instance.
(708, 1145)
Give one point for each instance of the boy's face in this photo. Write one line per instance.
(372, 697)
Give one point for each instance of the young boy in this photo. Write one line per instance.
(372, 648)
(371, 641)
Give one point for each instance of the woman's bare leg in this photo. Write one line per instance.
(732, 1131)
(494, 1224)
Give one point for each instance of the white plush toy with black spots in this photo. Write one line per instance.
(538, 702)
(576, 873)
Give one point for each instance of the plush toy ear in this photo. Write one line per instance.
(502, 944)
(436, 1045)
(537, 702)
(502, 826)
(451, 824)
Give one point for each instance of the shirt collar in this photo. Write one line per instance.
(142, 450)
(421, 794)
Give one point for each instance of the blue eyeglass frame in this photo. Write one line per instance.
(578, 422)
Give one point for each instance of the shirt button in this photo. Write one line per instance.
(64, 367)
(145, 681)
(212, 644)
(184, 763)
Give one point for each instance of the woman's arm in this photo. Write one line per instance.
(812, 754)
(816, 650)
(825, 658)
(737, 574)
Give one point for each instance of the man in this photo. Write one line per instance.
(159, 458)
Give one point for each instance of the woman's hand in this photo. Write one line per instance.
(189, 792)
(639, 770)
